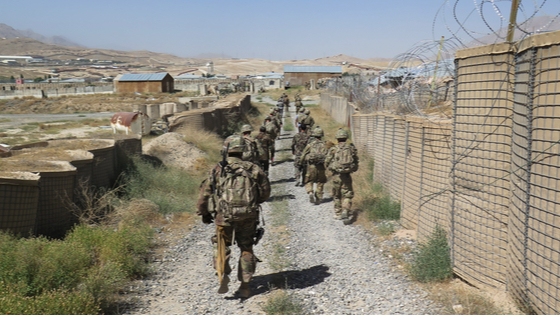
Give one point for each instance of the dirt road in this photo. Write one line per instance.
(330, 267)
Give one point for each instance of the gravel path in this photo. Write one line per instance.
(333, 268)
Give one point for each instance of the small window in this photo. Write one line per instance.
(271, 83)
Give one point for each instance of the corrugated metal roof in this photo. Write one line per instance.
(323, 69)
(143, 76)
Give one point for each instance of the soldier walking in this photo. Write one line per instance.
(313, 157)
(230, 198)
(299, 142)
(342, 161)
(267, 145)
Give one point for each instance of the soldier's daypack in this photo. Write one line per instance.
(317, 152)
(271, 129)
(343, 160)
(238, 192)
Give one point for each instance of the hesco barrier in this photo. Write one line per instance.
(40, 202)
(19, 196)
(491, 176)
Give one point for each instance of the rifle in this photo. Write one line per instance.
(221, 242)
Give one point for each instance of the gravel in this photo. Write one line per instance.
(334, 268)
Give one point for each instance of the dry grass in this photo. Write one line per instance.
(458, 297)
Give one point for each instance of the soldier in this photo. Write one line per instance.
(301, 117)
(253, 150)
(299, 105)
(299, 142)
(286, 101)
(308, 120)
(267, 145)
(230, 197)
(314, 156)
(342, 160)
(271, 128)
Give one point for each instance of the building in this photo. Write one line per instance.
(300, 75)
(144, 83)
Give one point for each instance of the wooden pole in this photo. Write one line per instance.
(512, 20)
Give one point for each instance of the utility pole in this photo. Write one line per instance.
(512, 20)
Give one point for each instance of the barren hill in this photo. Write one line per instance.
(7, 31)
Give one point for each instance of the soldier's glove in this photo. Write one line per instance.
(207, 219)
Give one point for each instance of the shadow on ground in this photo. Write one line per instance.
(292, 279)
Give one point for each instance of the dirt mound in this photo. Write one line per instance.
(172, 150)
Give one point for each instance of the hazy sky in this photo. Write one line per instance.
(275, 30)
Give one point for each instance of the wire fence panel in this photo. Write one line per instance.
(388, 150)
(379, 152)
(436, 165)
(398, 160)
(543, 230)
(482, 164)
(520, 157)
(413, 174)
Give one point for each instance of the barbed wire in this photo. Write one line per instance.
(417, 81)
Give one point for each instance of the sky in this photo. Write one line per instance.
(265, 29)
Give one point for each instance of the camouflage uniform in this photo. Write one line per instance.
(315, 173)
(299, 142)
(267, 145)
(308, 120)
(342, 191)
(244, 229)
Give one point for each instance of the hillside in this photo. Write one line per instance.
(7, 32)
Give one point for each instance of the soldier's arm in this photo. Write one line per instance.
(330, 155)
(203, 198)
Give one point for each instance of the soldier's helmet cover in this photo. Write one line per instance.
(236, 144)
(302, 110)
(317, 132)
(307, 112)
(341, 134)
(246, 128)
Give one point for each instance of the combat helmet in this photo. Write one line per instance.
(246, 128)
(307, 112)
(341, 134)
(317, 132)
(235, 144)
(302, 110)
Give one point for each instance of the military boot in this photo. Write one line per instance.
(244, 291)
(317, 199)
(224, 285)
(311, 197)
(337, 213)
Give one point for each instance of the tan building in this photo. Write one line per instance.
(300, 75)
(144, 82)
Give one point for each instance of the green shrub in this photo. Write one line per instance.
(57, 302)
(381, 208)
(432, 261)
(283, 303)
(386, 228)
(173, 190)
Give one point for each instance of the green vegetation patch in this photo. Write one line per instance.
(283, 303)
(77, 275)
(432, 260)
(172, 189)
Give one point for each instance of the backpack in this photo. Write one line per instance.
(317, 152)
(238, 193)
(271, 129)
(343, 160)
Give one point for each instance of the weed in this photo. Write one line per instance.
(283, 303)
(381, 207)
(172, 189)
(431, 262)
(386, 228)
